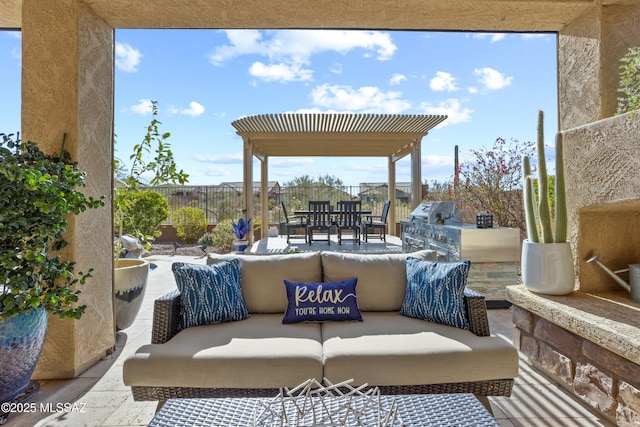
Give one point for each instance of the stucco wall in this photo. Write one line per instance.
(589, 52)
(602, 167)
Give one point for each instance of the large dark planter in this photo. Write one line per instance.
(130, 283)
(21, 340)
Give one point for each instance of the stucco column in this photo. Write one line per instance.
(67, 87)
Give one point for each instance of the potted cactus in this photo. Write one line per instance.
(547, 261)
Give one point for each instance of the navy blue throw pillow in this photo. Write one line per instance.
(435, 292)
(209, 293)
(320, 302)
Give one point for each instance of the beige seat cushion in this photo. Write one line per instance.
(259, 352)
(390, 349)
(382, 278)
(262, 277)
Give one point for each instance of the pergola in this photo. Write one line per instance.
(393, 136)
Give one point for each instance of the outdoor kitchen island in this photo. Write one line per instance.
(494, 252)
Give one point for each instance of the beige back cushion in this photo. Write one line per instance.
(262, 277)
(382, 278)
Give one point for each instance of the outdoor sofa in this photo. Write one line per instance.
(259, 354)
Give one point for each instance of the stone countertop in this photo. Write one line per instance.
(609, 319)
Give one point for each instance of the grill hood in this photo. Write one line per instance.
(443, 212)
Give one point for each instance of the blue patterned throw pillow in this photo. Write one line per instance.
(435, 292)
(320, 302)
(209, 293)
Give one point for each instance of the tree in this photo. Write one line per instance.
(492, 181)
(331, 181)
(437, 190)
(131, 205)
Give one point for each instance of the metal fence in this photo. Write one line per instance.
(220, 202)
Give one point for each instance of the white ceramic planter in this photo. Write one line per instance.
(130, 283)
(547, 268)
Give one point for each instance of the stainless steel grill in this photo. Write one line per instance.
(494, 252)
(437, 226)
(429, 228)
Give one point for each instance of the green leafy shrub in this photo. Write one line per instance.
(142, 212)
(190, 223)
(222, 236)
(33, 221)
(629, 81)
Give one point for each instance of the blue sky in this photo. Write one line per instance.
(490, 86)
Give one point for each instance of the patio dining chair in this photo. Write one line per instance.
(349, 218)
(319, 219)
(292, 224)
(373, 222)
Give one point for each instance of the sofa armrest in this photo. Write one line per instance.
(477, 313)
(166, 317)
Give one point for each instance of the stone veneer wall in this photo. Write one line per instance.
(587, 343)
(492, 278)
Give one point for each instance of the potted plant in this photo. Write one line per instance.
(38, 192)
(547, 260)
(138, 213)
(240, 231)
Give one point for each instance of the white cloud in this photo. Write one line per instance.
(443, 81)
(127, 57)
(493, 37)
(436, 161)
(492, 79)
(437, 167)
(397, 79)
(280, 72)
(233, 158)
(16, 53)
(280, 162)
(291, 50)
(532, 36)
(144, 106)
(336, 68)
(368, 99)
(195, 109)
(219, 171)
(451, 108)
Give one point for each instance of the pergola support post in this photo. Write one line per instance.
(264, 195)
(416, 174)
(247, 193)
(392, 197)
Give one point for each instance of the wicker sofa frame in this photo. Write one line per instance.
(166, 325)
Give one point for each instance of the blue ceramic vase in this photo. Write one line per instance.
(21, 340)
